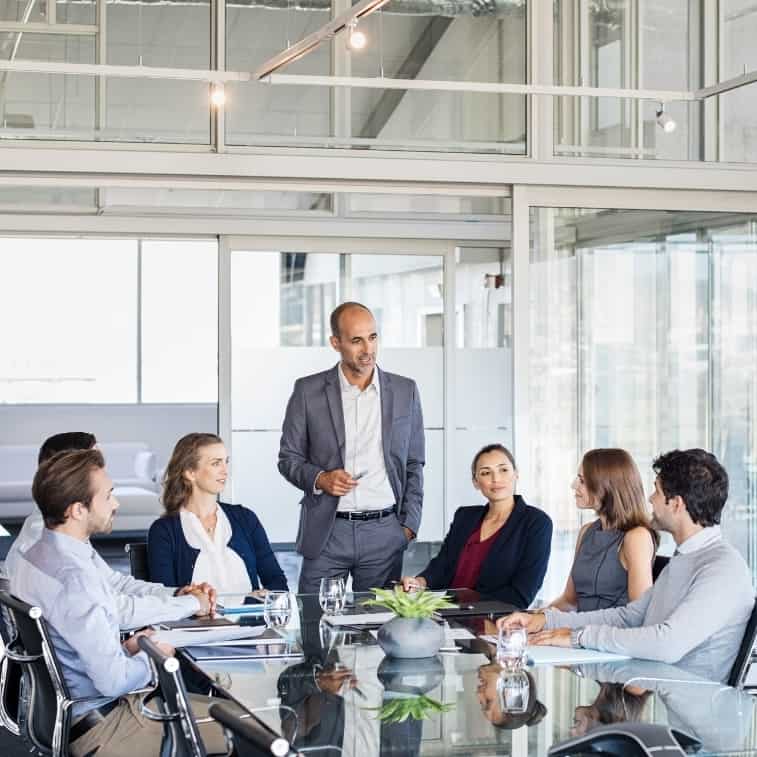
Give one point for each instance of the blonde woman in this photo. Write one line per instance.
(202, 540)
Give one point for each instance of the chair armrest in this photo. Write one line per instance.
(20, 657)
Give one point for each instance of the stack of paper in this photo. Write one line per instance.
(203, 637)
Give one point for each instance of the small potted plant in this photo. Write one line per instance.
(412, 633)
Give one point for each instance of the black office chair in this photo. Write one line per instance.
(138, 565)
(251, 737)
(182, 736)
(629, 740)
(45, 710)
(660, 562)
(744, 657)
(10, 673)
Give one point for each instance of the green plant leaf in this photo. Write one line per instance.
(421, 604)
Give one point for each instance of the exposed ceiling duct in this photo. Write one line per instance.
(447, 8)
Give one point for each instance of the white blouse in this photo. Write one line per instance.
(217, 563)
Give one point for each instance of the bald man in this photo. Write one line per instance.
(353, 442)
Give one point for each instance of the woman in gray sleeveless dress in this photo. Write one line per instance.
(615, 552)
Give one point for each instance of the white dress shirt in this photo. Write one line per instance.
(363, 448)
(217, 563)
(139, 603)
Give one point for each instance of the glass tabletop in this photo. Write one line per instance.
(343, 692)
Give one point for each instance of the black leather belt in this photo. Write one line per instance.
(366, 514)
(90, 720)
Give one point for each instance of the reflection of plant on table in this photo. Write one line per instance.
(418, 604)
(418, 708)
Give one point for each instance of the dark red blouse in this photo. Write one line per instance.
(471, 559)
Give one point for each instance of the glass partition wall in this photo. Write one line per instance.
(281, 296)
(643, 335)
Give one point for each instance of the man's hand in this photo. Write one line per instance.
(410, 534)
(413, 583)
(558, 637)
(206, 596)
(335, 482)
(532, 622)
(131, 645)
(331, 681)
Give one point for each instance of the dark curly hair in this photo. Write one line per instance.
(698, 479)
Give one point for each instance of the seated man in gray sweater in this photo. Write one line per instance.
(696, 612)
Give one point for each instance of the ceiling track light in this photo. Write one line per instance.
(664, 120)
(217, 95)
(357, 39)
(341, 23)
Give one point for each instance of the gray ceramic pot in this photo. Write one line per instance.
(410, 677)
(410, 638)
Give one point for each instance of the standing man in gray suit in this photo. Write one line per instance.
(353, 442)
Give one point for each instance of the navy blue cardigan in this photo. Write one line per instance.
(172, 560)
(514, 569)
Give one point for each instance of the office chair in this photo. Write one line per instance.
(250, 736)
(45, 710)
(629, 740)
(138, 565)
(744, 657)
(10, 673)
(659, 563)
(182, 736)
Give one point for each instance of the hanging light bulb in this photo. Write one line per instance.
(217, 95)
(357, 39)
(665, 121)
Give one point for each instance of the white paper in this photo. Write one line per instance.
(182, 637)
(363, 619)
(546, 655)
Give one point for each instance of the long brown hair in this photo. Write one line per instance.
(611, 476)
(186, 455)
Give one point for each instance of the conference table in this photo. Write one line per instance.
(342, 695)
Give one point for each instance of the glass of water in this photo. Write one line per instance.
(511, 648)
(277, 610)
(332, 595)
(514, 691)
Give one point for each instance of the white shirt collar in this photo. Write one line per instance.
(347, 387)
(700, 540)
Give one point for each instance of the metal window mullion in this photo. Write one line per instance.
(218, 63)
(521, 358)
(540, 20)
(224, 349)
(449, 348)
(51, 12)
(139, 321)
(101, 57)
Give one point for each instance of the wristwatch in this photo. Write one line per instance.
(575, 638)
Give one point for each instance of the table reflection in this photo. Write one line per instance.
(345, 693)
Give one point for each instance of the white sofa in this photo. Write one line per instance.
(131, 465)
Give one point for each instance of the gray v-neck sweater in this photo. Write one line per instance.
(694, 615)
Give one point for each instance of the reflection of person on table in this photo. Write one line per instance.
(492, 702)
(720, 716)
(614, 703)
(500, 549)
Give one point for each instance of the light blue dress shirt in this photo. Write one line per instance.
(61, 576)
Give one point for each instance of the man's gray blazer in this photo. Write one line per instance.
(312, 440)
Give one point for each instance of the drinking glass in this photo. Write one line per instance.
(277, 610)
(511, 648)
(514, 691)
(332, 595)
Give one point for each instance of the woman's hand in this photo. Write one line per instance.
(533, 622)
(414, 583)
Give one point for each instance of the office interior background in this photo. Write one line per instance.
(558, 271)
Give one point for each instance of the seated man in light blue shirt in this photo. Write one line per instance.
(695, 614)
(60, 575)
(139, 603)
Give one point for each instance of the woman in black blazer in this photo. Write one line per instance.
(500, 549)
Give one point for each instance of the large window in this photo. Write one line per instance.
(649, 343)
(108, 321)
